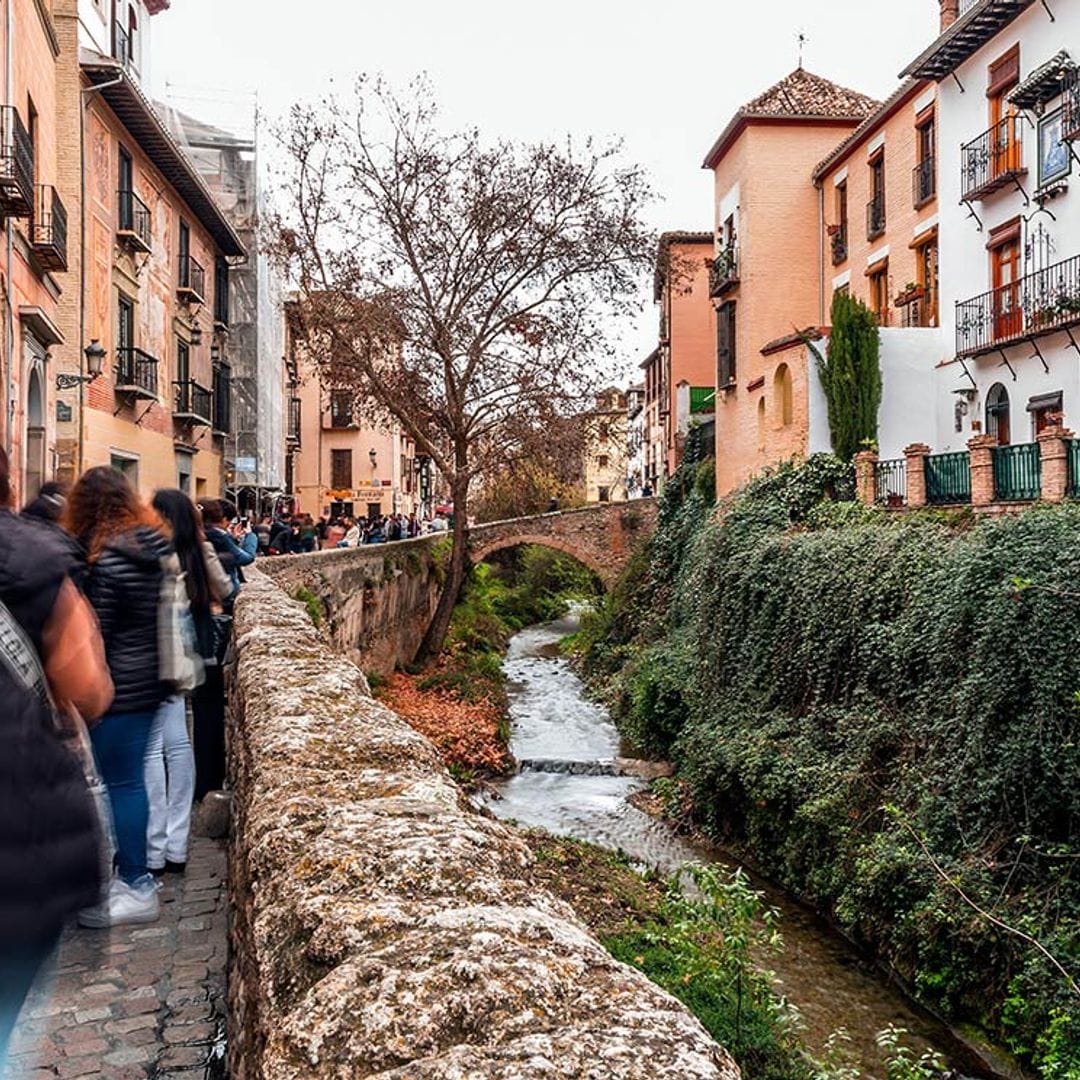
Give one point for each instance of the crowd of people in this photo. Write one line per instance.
(301, 533)
(115, 620)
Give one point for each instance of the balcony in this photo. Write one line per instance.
(724, 272)
(136, 372)
(993, 160)
(191, 284)
(222, 404)
(1070, 120)
(292, 436)
(919, 310)
(1036, 304)
(875, 216)
(191, 402)
(924, 182)
(838, 243)
(134, 221)
(122, 45)
(48, 228)
(16, 165)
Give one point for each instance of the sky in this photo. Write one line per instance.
(664, 76)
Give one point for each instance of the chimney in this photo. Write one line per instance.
(950, 12)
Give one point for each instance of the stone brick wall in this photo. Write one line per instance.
(380, 926)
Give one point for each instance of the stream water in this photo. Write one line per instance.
(553, 721)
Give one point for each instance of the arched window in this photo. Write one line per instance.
(997, 414)
(761, 422)
(782, 395)
(35, 434)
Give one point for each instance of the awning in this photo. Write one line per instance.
(1045, 83)
(1045, 401)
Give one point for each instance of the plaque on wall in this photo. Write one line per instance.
(64, 412)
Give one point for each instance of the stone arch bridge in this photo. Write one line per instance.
(602, 537)
(378, 600)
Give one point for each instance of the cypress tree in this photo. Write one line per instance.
(850, 374)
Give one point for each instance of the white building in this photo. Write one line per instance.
(1009, 110)
(635, 440)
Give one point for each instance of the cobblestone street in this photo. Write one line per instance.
(137, 1001)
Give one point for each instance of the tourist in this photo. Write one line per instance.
(413, 527)
(246, 537)
(49, 840)
(232, 555)
(170, 760)
(352, 535)
(261, 529)
(126, 550)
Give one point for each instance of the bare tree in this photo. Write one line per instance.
(466, 287)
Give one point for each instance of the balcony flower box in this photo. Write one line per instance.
(910, 294)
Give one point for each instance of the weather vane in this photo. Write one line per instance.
(802, 40)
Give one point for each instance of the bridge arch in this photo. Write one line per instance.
(485, 548)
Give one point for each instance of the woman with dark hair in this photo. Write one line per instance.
(49, 865)
(170, 761)
(126, 552)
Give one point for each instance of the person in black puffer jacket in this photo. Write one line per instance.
(125, 546)
(49, 836)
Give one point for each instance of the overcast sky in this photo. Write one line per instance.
(666, 75)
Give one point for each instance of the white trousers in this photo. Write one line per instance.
(170, 785)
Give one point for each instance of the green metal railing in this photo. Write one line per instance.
(1073, 459)
(948, 478)
(1017, 472)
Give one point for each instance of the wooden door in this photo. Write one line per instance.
(1006, 297)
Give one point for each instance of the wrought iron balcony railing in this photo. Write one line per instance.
(293, 434)
(191, 402)
(1036, 304)
(16, 165)
(222, 424)
(1017, 472)
(924, 181)
(134, 220)
(192, 281)
(890, 482)
(875, 216)
(992, 160)
(48, 228)
(839, 244)
(136, 372)
(1070, 121)
(724, 272)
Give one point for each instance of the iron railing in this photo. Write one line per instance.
(890, 482)
(875, 216)
(1017, 472)
(134, 219)
(1070, 120)
(191, 401)
(192, 278)
(924, 181)
(919, 312)
(1038, 303)
(1073, 461)
(839, 244)
(293, 434)
(948, 478)
(724, 272)
(136, 372)
(222, 424)
(122, 49)
(16, 165)
(992, 160)
(48, 228)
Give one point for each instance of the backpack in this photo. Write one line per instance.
(52, 846)
(179, 663)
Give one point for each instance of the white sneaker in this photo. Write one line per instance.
(124, 904)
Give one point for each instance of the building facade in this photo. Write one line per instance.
(764, 282)
(635, 441)
(605, 448)
(654, 420)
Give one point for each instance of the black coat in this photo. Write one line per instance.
(124, 588)
(49, 865)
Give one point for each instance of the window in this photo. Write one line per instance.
(925, 186)
(997, 414)
(725, 344)
(879, 291)
(605, 430)
(129, 466)
(221, 291)
(185, 254)
(926, 269)
(603, 461)
(782, 402)
(183, 362)
(341, 469)
(761, 423)
(1045, 412)
(133, 32)
(875, 208)
(125, 180)
(1002, 76)
(341, 408)
(604, 494)
(32, 131)
(840, 236)
(183, 472)
(125, 326)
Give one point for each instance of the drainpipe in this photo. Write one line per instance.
(821, 251)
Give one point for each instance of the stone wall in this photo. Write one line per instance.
(381, 928)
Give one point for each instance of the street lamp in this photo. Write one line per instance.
(95, 360)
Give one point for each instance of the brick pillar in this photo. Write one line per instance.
(950, 12)
(915, 457)
(1054, 451)
(982, 469)
(865, 477)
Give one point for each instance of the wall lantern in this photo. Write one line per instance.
(95, 361)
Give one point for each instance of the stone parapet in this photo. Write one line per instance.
(381, 927)
(1054, 457)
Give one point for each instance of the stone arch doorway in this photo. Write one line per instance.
(997, 414)
(35, 469)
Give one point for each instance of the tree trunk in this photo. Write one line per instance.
(439, 626)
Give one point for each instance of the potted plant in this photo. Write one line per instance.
(911, 292)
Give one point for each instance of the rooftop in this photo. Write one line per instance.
(801, 96)
(663, 250)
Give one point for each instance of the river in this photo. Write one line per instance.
(553, 720)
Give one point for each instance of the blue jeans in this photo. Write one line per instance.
(19, 965)
(120, 741)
